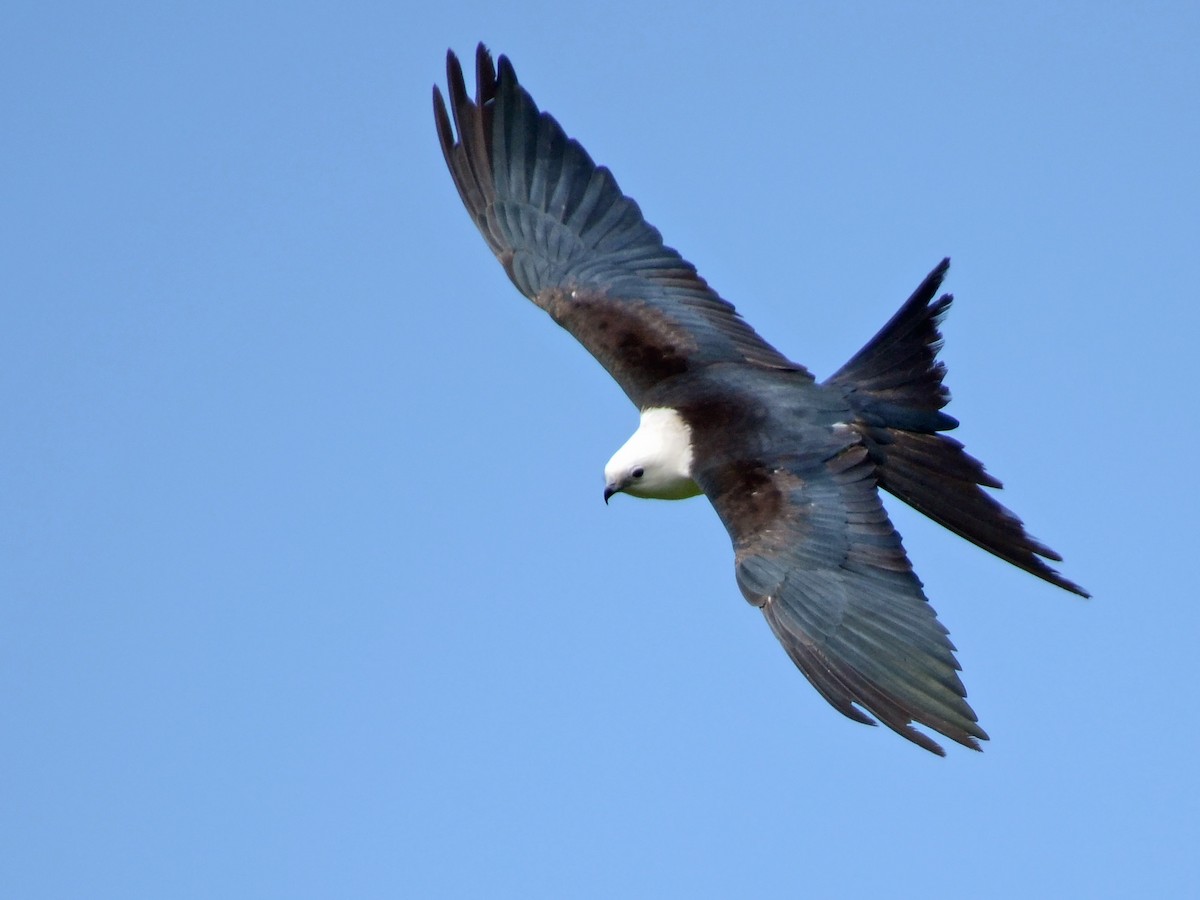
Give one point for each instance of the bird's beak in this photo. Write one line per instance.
(609, 490)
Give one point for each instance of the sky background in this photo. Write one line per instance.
(306, 585)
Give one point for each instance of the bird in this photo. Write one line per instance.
(792, 466)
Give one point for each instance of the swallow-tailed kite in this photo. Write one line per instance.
(791, 465)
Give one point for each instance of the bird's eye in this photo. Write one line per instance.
(638, 472)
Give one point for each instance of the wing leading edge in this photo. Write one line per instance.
(575, 245)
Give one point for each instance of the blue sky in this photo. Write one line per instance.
(306, 584)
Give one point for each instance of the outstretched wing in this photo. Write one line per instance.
(575, 245)
(815, 550)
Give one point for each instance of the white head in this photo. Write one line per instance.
(656, 462)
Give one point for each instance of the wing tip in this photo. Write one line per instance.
(504, 70)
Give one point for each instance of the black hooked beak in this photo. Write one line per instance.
(609, 490)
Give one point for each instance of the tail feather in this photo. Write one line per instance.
(894, 384)
(896, 378)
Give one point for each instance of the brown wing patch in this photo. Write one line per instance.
(753, 501)
(637, 343)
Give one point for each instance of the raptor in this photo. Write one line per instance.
(792, 465)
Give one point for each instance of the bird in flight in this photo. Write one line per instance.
(791, 465)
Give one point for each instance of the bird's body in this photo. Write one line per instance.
(732, 412)
(791, 465)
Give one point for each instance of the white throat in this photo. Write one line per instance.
(661, 449)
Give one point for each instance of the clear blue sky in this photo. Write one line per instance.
(306, 584)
